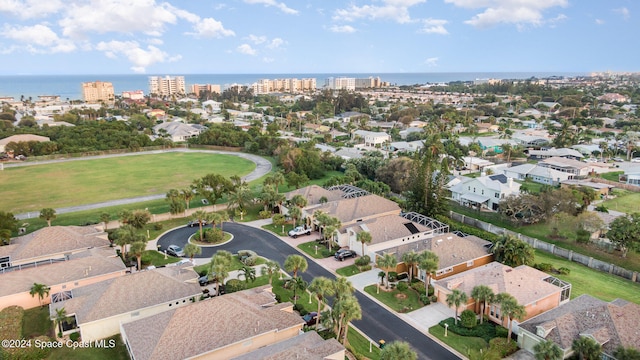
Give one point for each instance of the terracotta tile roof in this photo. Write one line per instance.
(347, 210)
(56, 240)
(87, 264)
(313, 193)
(180, 333)
(615, 323)
(307, 346)
(130, 293)
(524, 283)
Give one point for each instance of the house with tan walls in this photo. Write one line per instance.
(537, 291)
(245, 323)
(99, 309)
(62, 276)
(611, 324)
(52, 242)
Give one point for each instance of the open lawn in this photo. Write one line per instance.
(361, 345)
(316, 250)
(31, 188)
(595, 283)
(348, 270)
(463, 344)
(36, 322)
(625, 201)
(400, 301)
(282, 230)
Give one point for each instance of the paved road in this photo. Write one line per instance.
(263, 167)
(377, 322)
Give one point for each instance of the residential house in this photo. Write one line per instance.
(409, 147)
(21, 138)
(212, 106)
(99, 309)
(179, 131)
(630, 177)
(60, 275)
(475, 163)
(410, 130)
(51, 242)
(494, 145)
(600, 189)
(306, 346)
(485, 191)
(537, 291)
(373, 138)
(242, 323)
(349, 153)
(570, 166)
(611, 324)
(545, 153)
(530, 141)
(539, 174)
(349, 116)
(316, 194)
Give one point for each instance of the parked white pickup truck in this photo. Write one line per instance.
(299, 230)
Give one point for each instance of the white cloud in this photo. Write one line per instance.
(431, 62)
(139, 57)
(282, 6)
(342, 29)
(519, 12)
(434, 26)
(38, 39)
(210, 28)
(624, 12)
(268, 60)
(247, 50)
(599, 22)
(275, 43)
(31, 9)
(257, 39)
(395, 10)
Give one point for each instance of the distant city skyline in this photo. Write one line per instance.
(314, 36)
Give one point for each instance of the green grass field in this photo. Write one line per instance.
(626, 201)
(31, 188)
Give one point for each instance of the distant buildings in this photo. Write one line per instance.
(97, 92)
(167, 86)
(204, 88)
(133, 95)
(293, 85)
(345, 83)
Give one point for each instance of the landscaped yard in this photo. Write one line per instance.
(286, 295)
(625, 201)
(31, 188)
(155, 258)
(400, 301)
(348, 270)
(282, 230)
(361, 345)
(462, 344)
(316, 250)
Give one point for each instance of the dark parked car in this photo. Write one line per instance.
(310, 318)
(344, 254)
(175, 250)
(193, 223)
(205, 280)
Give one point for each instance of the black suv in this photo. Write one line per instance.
(344, 254)
(193, 223)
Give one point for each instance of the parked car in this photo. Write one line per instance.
(344, 254)
(193, 223)
(636, 160)
(175, 250)
(206, 280)
(299, 230)
(617, 159)
(310, 318)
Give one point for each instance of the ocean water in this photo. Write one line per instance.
(69, 86)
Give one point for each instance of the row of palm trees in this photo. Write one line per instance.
(425, 260)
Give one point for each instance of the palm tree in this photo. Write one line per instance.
(201, 216)
(61, 316)
(127, 235)
(428, 262)
(622, 353)
(322, 287)
(410, 259)
(387, 262)
(296, 283)
(343, 287)
(239, 197)
(39, 289)
(510, 308)
(249, 274)
(482, 294)
(347, 309)
(548, 350)
(276, 179)
(48, 214)
(219, 267)
(586, 348)
(104, 219)
(298, 201)
(364, 237)
(295, 214)
(270, 268)
(295, 263)
(456, 298)
(192, 250)
(137, 248)
(187, 195)
(398, 350)
(511, 251)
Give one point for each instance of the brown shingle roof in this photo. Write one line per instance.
(130, 293)
(356, 208)
(84, 265)
(229, 319)
(307, 346)
(56, 240)
(616, 322)
(313, 194)
(386, 228)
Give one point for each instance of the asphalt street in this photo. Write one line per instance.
(377, 322)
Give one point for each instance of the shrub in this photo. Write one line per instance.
(419, 287)
(468, 319)
(74, 336)
(431, 290)
(264, 214)
(564, 271)
(487, 330)
(365, 268)
(234, 285)
(402, 286)
(504, 347)
(425, 299)
(393, 276)
(363, 260)
(502, 331)
(248, 257)
(546, 267)
(434, 298)
(157, 226)
(583, 236)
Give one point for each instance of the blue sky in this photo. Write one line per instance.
(317, 36)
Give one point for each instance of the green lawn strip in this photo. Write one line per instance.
(36, 322)
(627, 203)
(118, 352)
(31, 188)
(348, 270)
(533, 187)
(463, 344)
(155, 258)
(279, 229)
(286, 295)
(316, 250)
(360, 345)
(598, 284)
(611, 176)
(402, 305)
